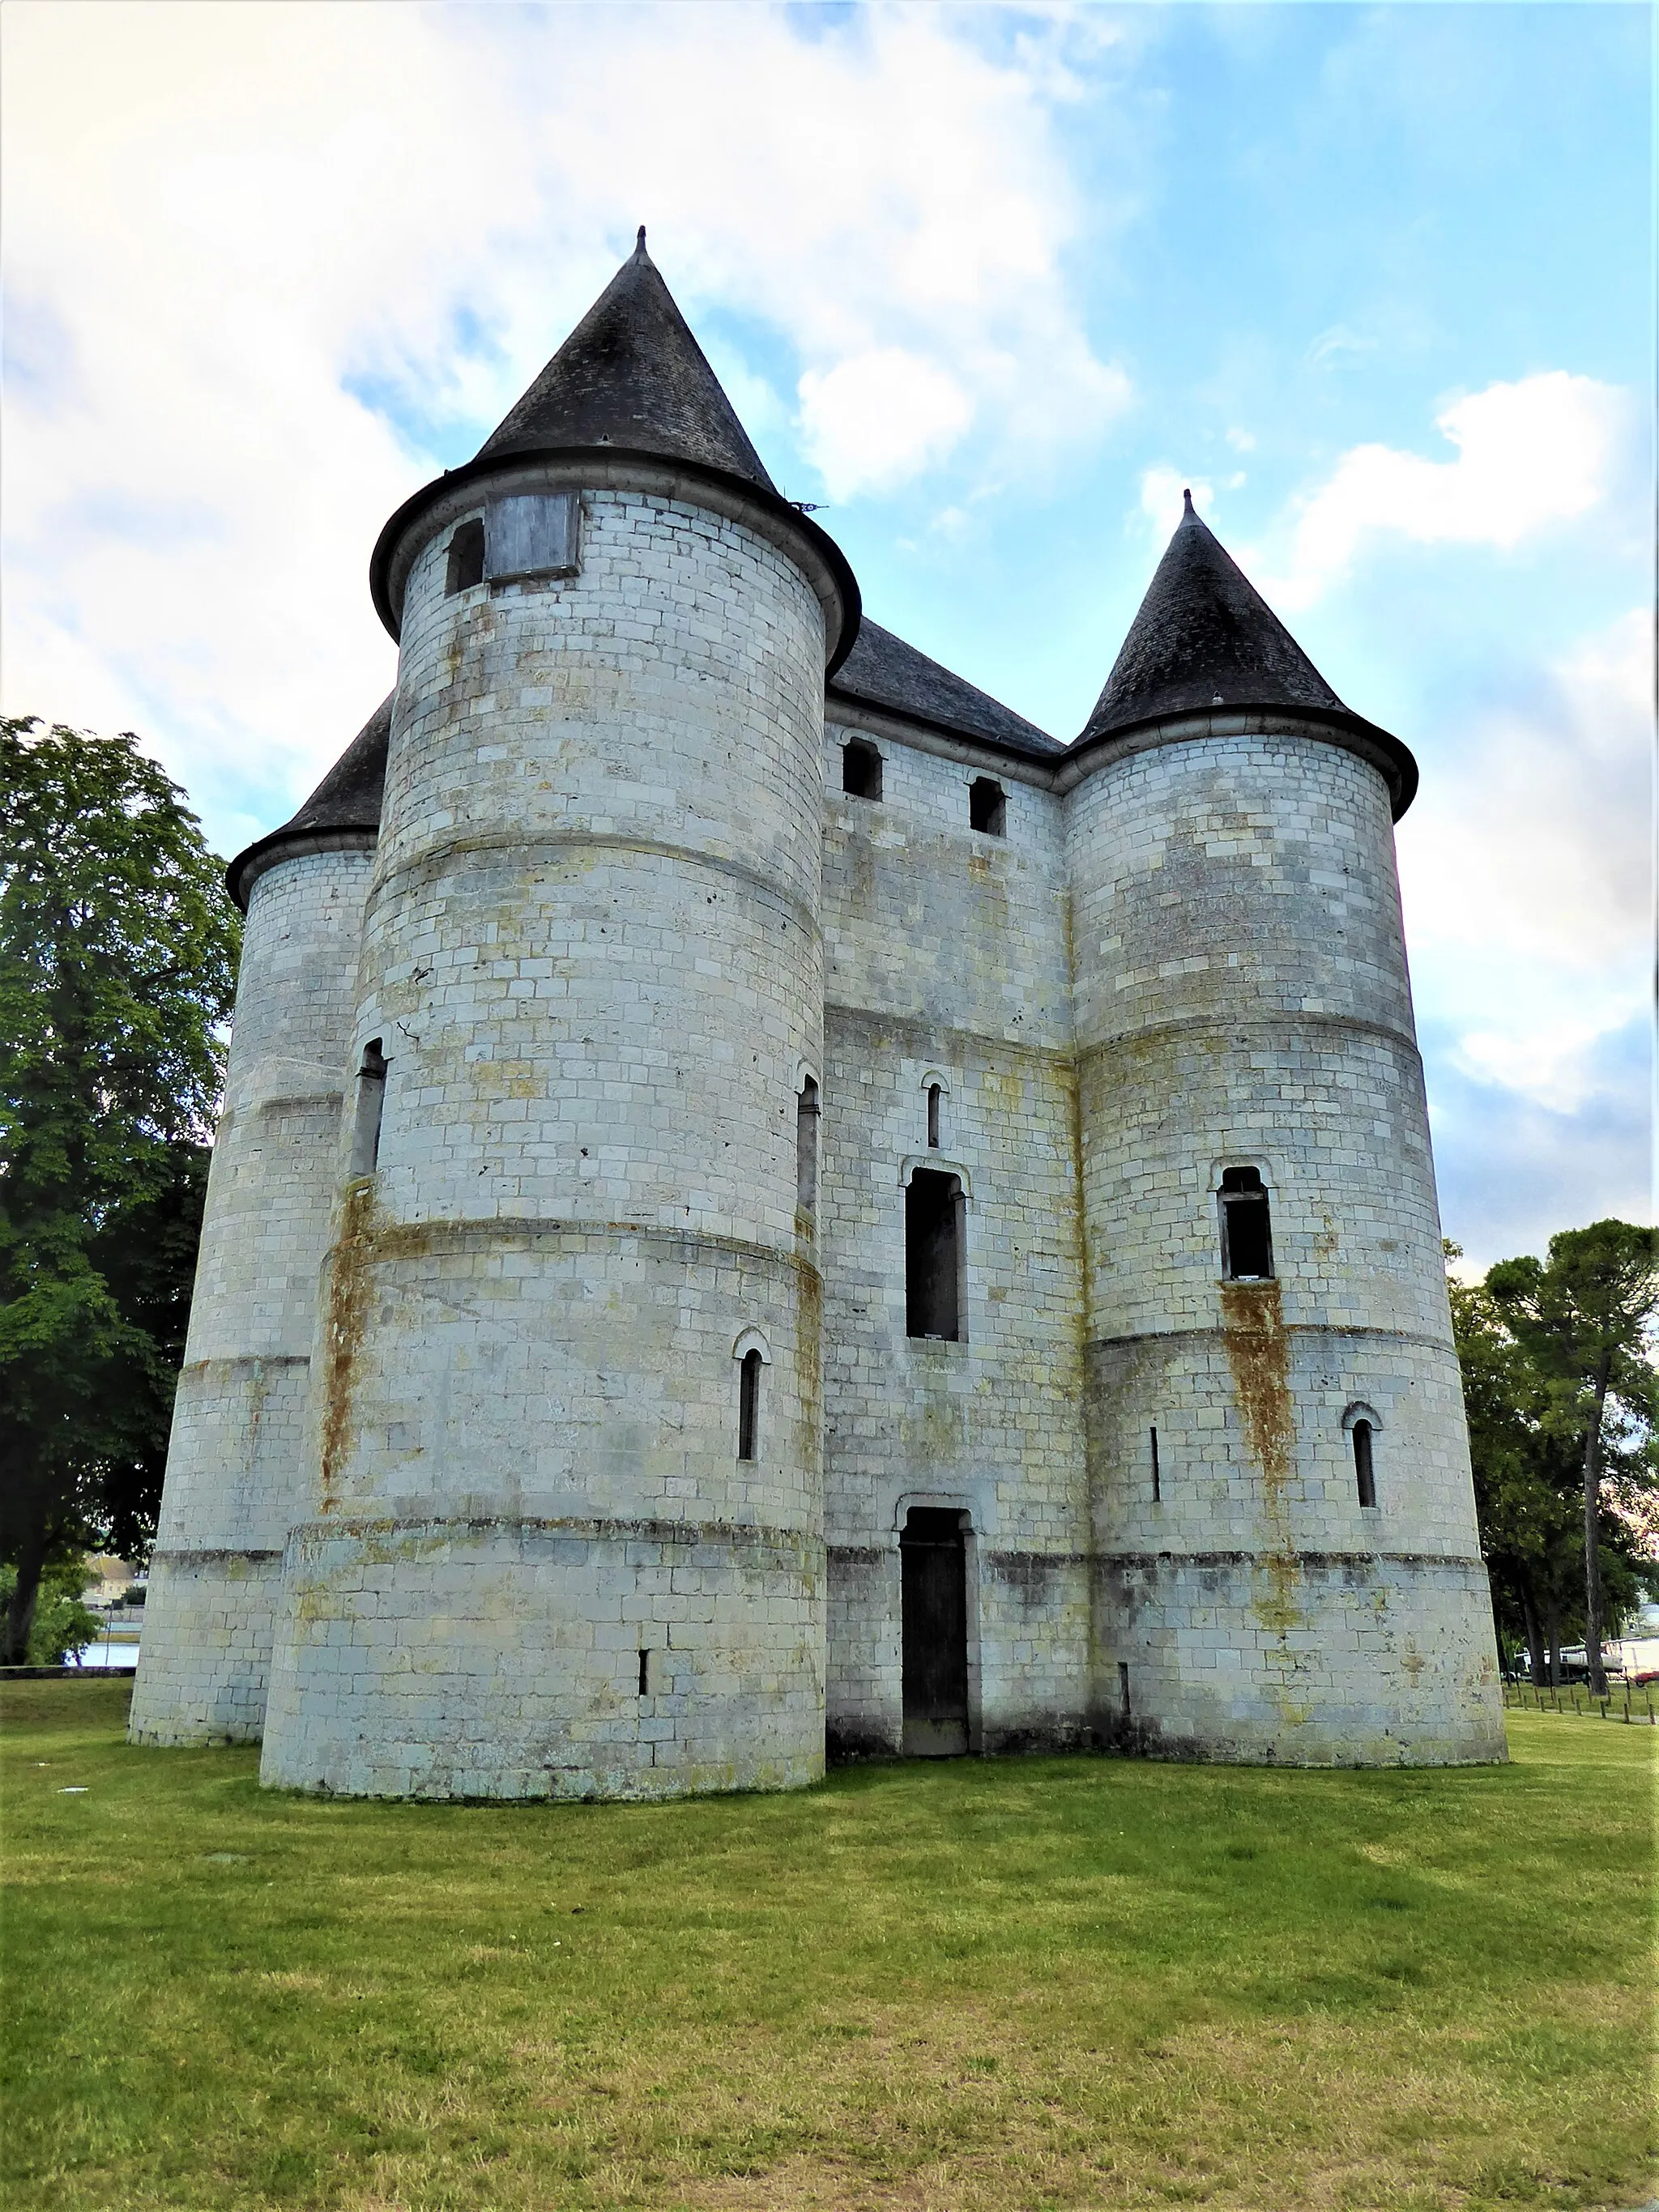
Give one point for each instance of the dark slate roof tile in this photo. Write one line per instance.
(631, 374)
(882, 670)
(348, 798)
(1204, 637)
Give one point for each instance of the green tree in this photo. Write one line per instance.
(1529, 1532)
(118, 953)
(62, 1623)
(1584, 1319)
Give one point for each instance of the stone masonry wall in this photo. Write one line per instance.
(1242, 999)
(946, 959)
(236, 1479)
(592, 955)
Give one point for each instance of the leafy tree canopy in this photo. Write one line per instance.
(1561, 1395)
(63, 1623)
(117, 956)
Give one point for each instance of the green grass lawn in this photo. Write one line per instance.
(1078, 1982)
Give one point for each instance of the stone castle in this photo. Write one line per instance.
(765, 1206)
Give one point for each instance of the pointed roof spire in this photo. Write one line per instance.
(1205, 637)
(631, 375)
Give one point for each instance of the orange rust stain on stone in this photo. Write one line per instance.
(1258, 1351)
(347, 1306)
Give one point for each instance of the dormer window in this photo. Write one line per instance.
(1247, 1248)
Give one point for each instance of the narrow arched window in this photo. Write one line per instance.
(1365, 1468)
(935, 1093)
(806, 1145)
(861, 770)
(749, 1374)
(1247, 1248)
(370, 1102)
(988, 806)
(466, 559)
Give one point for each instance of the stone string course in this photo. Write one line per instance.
(455, 1507)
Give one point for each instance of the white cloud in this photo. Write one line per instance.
(878, 418)
(1531, 456)
(245, 243)
(1526, 875)
(1339, 344)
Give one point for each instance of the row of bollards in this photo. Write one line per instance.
(1529, 1697)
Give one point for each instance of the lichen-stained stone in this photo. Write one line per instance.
(945, 964)
(237, 1476)
(658, 999)
(1242, 999)
(592, 957)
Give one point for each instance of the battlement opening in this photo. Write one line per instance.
(935, 1252)
(861, 770)
(1247, 1251)
(988, 806)
(466, 559)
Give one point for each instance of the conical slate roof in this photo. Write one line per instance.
(883, 670)
(631, 374)
(348, 798)
(1204, 637)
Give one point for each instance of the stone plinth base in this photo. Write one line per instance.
(509, 1658)
(204, 1658)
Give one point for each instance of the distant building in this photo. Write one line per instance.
(764, 1204)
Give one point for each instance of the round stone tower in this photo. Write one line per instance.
(1287, 1565)
(565, 1529)
(236, 1475)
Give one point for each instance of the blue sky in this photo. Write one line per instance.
(992, 285)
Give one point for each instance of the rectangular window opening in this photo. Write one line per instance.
(934, 1255)
(1247, 1252)
(749, 1372)
(861, 770)
(1123, 1686)
(1158, 1488)
(370, 1105)
(806, 1146)
(466, 559)
(933, 1096)
(1364, 1471)
(645, 1673)
(988, 806)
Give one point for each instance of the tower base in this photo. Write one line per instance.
(520, 1658)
